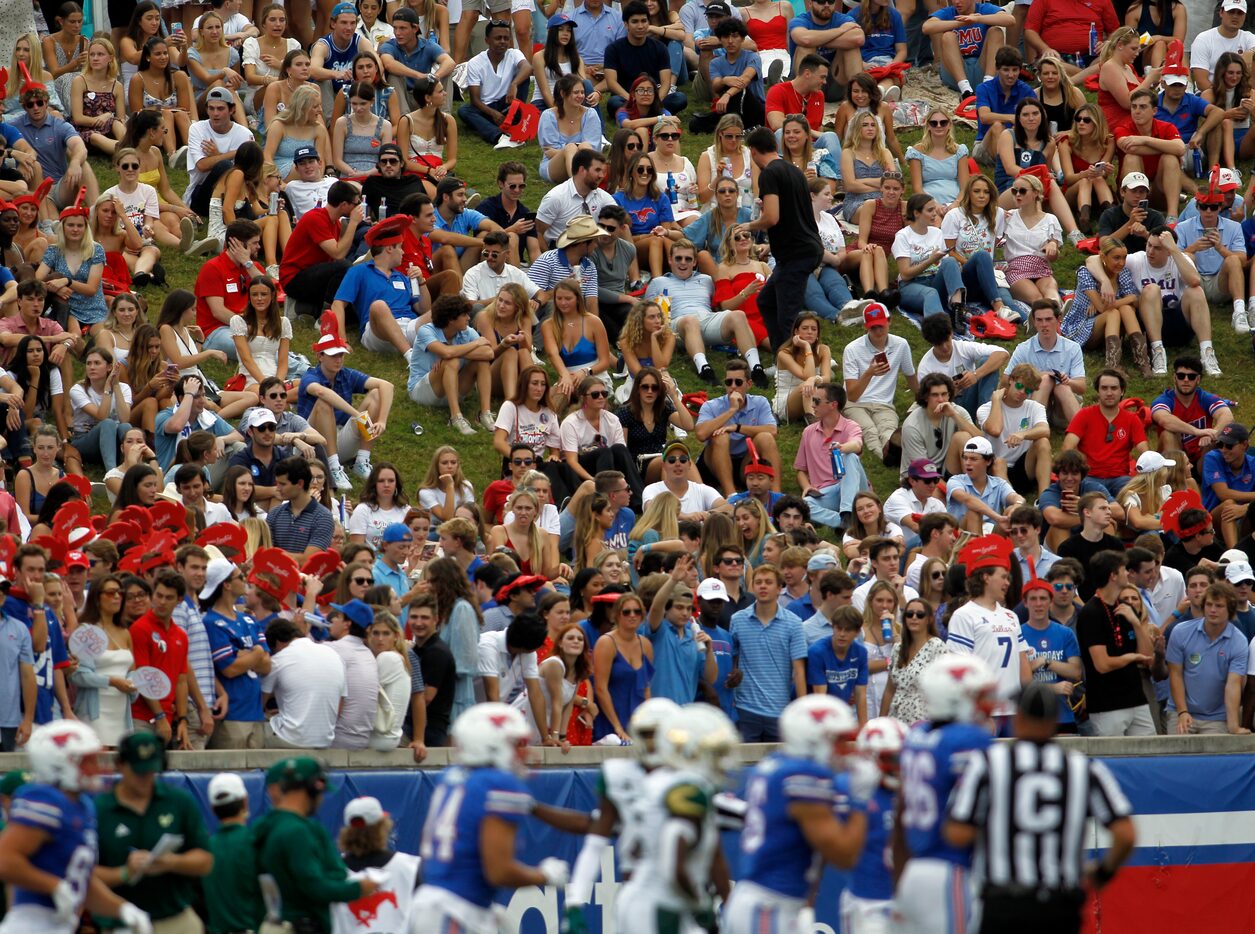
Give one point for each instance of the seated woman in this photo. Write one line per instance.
(368, 70)
(575, 344)
(128, 261)
(801, 362)
(868, 521)
(506, 323)
(707, 232)
(28, 51)
(141, 485)
(938, 164)
(565, 129)
(1117, 78)
(293, 73)
(1032, 243)
(864, 162)
(1165, 21)
(929, 278)
(1095, 320)
(646, 340)
(738, 279)
(11, 255)
(102, 410)
(28, 239)
(1029, 147)
(64, 51)
(211, 63)
(1087, 155)
(141, 203)
(158, 85)
(150, 377)
(357, 135)
(73, 269)
(262, 336)
(641, 112)
(536, 548)
(798, 149)
(428, 136)
(676, 175)
(199, 449)
(653, 405)
(971, 231)
(135, 451)
(144, 132)
(445, 487)
(301, 124)
(96, 100)
(560, 56)
(880, 219)
(240, 194)
(593, 439)
(117, 333)
(40, 383)
(238, 494)
(726, 157)
(60, 494)
(1231, 91)
(865, 97)
(1142, 497)
(649, 210)
(1061, 98)
(885, 43)
(827, 291)
(32, 483)
(179, 335)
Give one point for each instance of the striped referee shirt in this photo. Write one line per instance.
(1031, 803)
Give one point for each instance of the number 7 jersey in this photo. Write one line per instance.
(933, 759)
(995, 637)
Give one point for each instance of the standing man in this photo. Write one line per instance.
(158, 642)
(357, 711)
(770, 658)
(828, 463)
(132, 817)
(1207, 662)
(211, 147)
(1091, 538)
(17, 675)
(394, 547)
(1025, 807)
(791, 229)
(232, 896)
(308, 683)
(26, 602)
(1054, 654)
(240, 656)
(190, 563)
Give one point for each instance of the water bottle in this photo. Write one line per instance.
(886, 629)
(813, 165)
(838, 462)
(757, 211)
(383, 208)
(1198, 163)
(274, 203)
(672, 194)
(747, 199)
(1093, 39)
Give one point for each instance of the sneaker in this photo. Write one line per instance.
(177, 157)
(273, 271)
(340, 479)
(774, 71)
(1159, 361)
(758, 376)
(361, 469)
(1075, 237)
(892, 93)
(460, 424)
(473, 197)
(1240, 324)
(506, 143)
(1211, 367)
(208, 246)
(707, 375)
(187, 233)
(488, 420)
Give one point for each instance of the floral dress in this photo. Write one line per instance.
(908, 702)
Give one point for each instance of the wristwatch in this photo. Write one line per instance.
(160, 715)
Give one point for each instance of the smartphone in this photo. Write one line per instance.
(881, 357)
(429, 550)
(1144, 204)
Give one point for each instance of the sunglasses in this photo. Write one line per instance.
(598, 394)
(1084, 119)
(678, 459)
(1063, 588)
(938, 575)
(649, 387)
(129, 167)
(632, 611)
(522, 461)
(741, 238)
(1184, 375)
(734, 382)
(731, 560)
(939, 123)
(31, 105)
(276, 395)
(1019, 192)
(1208, 207)
(609, 228)
(644, 170)
(632, 147)
(733, 135)
(112, 592)
(1020, 387)
(667, 136)
(363, 580)
(914, 614)
(268, 427)
(519, 187)
(389, 161)
(726, 190)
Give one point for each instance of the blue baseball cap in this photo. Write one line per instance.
(558, 19)
(357, 612)
(397, 532)
(305, 152)
(343, 7)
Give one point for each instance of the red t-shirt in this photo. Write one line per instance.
(415, 251)
(783, 98)
(222, 278)
(164, 648)
(1107, 458)
(1064, 24)
(495, 497)
(1159, 129)
(303, 249)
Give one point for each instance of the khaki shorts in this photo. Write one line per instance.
(185, 922)
(195, 738)
(477, 6)
(236, 734)
(711, 324)
(376, 344)
(423, 394)
(1215, 289)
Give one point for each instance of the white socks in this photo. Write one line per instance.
(965, 88)
(699, 361)
(751, 357)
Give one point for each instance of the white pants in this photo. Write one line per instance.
(752, 908)
(438, 911)
(864, 915)
(639, 908)
(34, 919)
(1131, 721)
(934, 897)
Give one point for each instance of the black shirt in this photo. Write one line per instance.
(1177, 557)
(640, 440)
(435, 660)
(1114, 218)
(1121, 689)
(395, 190)
(795, 235)
(1074, 546)
(628, 61)
(495, 211)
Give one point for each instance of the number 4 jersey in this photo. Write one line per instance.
(933, 759)
(69, 853)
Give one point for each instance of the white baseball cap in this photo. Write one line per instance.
(226, 788)
(1150, 461)
(261, 416)
(1234, 5)
(1237, 572)
(1234, 556)
(1230, 180)
(1176, 75)
(219, 570)
(979, 446)
(365, 810)
(1135, 180)
(712, 589)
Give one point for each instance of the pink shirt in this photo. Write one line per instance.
(814, 450)
(13, 324)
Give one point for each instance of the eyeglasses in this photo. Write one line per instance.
(136, 595)
(382, 162)
(1208, 207)
(519, 187)
(522, 461)
(678, 459)
(597, 394)
(364, 580)
(1063, 588)
(734, 381)
(1186, 375)
(939, 123)
(914, 614)
(667, 136)
(1084, 119)
(734, 561)
(1019, 192)
(129, 167)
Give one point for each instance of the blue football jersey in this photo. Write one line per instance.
(450, 844)
(774, 852)
(933, 758)
(872, 876)
(70, 851)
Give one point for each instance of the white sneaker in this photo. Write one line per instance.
(210, 246)
(361, 469)
(462, 425)
(1158, 361)
(506, 143)
(187, 234)
(178, 158)
(1211, 366)
(1240, 324)
(488, 420)
(892, 93)
(1075, 237)
(340, 479)
(273, 271)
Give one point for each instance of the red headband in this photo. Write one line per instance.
(77, 209)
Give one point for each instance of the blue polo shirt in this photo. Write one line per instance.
(1058, 643)
(15, 651)
(366, 283)
(423, 360)
(995, 495)
(803, 608)
(49, 140)
(722, 68)
(1216, 470)
(227, 638)
(1206, 665)
(807, 21)
(1185, 118)
(816, 627)
(1209, 261)
(594, 33)
(766, 654)
(347, 384)
(678, 662)
(422, 58)
(971, 38)
(397, 580)
(840, 675)
(465, 223)
(989, 93)
(721, 645)
(1065, 356)
(757, 411)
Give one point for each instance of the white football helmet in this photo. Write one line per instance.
(493, 735)
(646, 721)
(700, 738)
(958, 687)
(881, 740)
(68, 755)
(818, 727)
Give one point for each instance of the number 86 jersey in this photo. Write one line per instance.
(933, 759)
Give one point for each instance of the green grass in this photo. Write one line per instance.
(477, 164)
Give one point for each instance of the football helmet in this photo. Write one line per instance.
(68, 755)
(959, 688)
(881, 740)
(699, 738)
(646, 721)
(818, 727)
(493, 735)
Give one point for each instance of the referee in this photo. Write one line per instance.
(1024, 804)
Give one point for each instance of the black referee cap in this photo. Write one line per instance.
(1038, 702)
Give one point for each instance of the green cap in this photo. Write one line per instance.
(12, 781)
(299, 769)
(142, 751)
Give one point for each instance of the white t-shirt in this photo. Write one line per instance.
(481, 284)
(511, 671)
(81, 396)
(697, 498)
(493, 83)
(902, 503)
(308, 682)
(577, 433)
(858, 599)
(431, 498)
(830, 232)
(265, 350)
(964, 357)
(140, 205)
(538, 430)
(915, 248)
(304, 196)
(1021, 241)
(857, 357)
(995, 637)
(1167, 276)
(1021, 418)
(370, 521)
(235, 137)
(969, 235)
(1208, 46)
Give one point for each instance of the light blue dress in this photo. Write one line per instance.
(549, 137)
(86, 309)
(854, 199)
(941, 176)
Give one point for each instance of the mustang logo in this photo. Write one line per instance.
(365, 910)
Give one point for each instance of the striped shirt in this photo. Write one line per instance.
(294, 533)
(1031, 803)
(765, 656)
(199, 655)
(552, 267)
